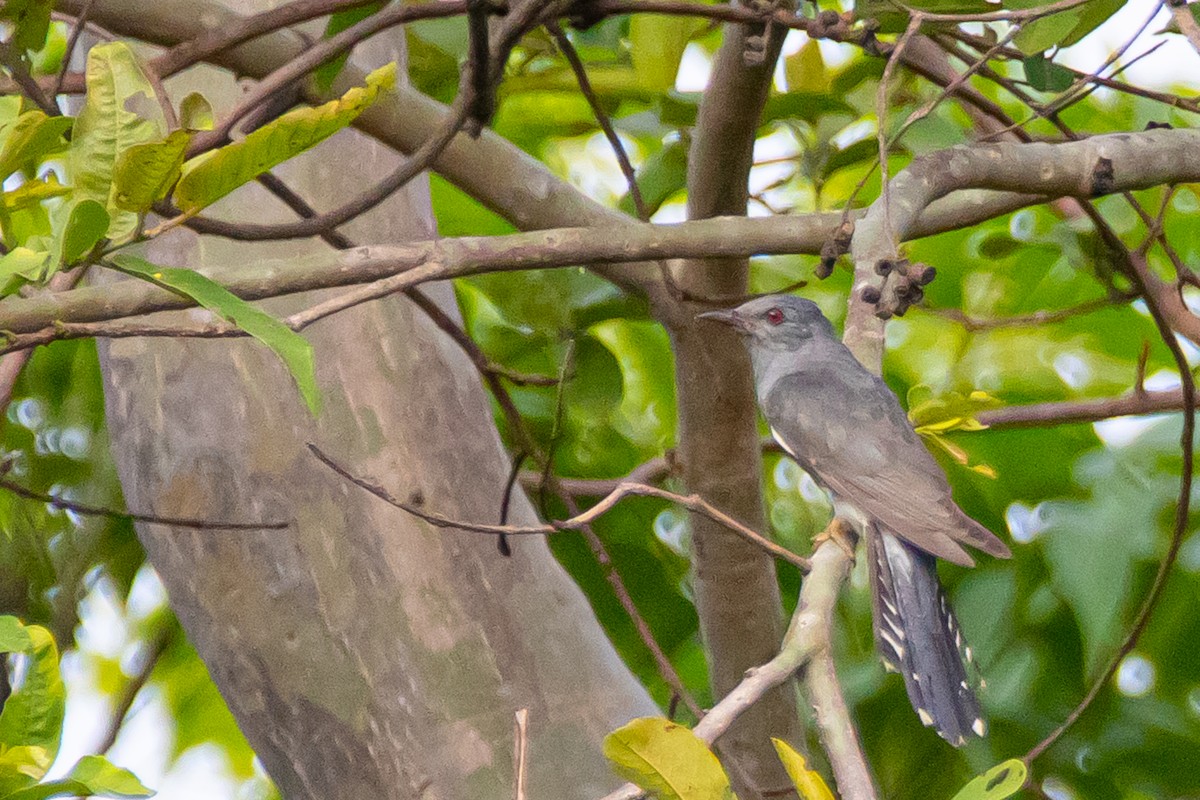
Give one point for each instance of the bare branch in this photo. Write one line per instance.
(155, 647)
(691, 502)
(807, 635)
(1186, 22)
(77, 27)
(387, 269)
(177, 522)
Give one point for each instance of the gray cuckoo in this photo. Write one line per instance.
(845, 427)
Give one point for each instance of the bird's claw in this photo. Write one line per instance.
(840, 533)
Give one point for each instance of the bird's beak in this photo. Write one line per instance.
(726, 317)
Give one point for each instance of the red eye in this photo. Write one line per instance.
(774, 316)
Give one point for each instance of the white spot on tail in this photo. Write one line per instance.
(925, 718)
(886, 635)
(969, 654)
(980, 727)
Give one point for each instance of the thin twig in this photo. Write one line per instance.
(15, 61)
(665, 668)
(1182, 511)
(506, 499)
(98, 511)
(807, 634)
(520, 752)
(1186, 22)
(155, 648)
(976, 324)
(77, 28)
(606, 125)
(691, 502)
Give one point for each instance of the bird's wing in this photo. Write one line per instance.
(847, 429)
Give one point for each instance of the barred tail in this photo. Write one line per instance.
(918, 636)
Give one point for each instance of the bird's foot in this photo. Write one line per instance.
(840, 533)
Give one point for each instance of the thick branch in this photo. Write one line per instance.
(736, 590)
(418, 262)
(1066, 412)
(1087, 168)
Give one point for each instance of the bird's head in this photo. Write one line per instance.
(776, 322)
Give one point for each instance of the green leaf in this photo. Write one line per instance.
(31, 20)
(33, 192)
(30, 138)
(196, 113)
(146, 172)
(91, 776)
(85, 227)
(326, 74)
(33, 714)
(1042, 34)
(21, 766)
(657, 45)
(13, 636)
(119, 113)
(809, 783)
(23, 265)
(292, 348)
(662, 175)
(1046, 76)
(805, 69)
(1092, 15)
(210, 177)
(667, 760)
(1001, 781)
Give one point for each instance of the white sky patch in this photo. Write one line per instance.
(1189, 553)
(855, 131)
(1074, 371)
(1025, 522)
(694, 69)
(670, 529)
(1122, 431)
(786, 475)
(1135, 676)
(1164, 68)
(1162, 380)
(1057, 789)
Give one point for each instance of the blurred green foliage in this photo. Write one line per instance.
(1088, 509)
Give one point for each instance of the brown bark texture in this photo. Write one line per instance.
(363, 653)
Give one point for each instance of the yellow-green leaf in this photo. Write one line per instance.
(657, 45)
(31, 137)
(805, 69)
(196, 113)
(21, 766)
(33, 714)
(292, 348)
(206, 180)
(809, 783)
(1001, 781)
(31, 22)
(326, 74)
(92, 776)
(667, 760)
(120, 112)
(30, 193)
(23, 265)
(146, 172)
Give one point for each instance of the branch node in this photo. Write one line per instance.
(1102, 177)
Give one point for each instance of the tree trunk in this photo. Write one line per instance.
(363, 653)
